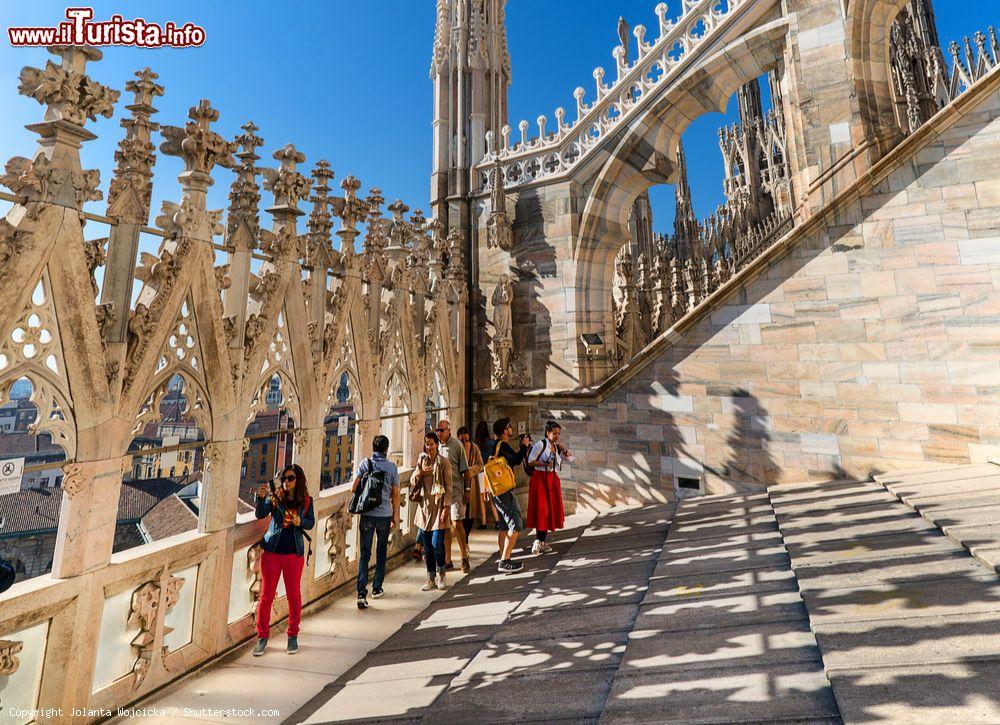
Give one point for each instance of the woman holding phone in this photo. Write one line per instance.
(545, 501)
(291, 510)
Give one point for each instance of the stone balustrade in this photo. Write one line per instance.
(656, 65)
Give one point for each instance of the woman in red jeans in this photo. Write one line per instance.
(545, 501)
(291, 510)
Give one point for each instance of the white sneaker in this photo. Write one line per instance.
(428, 585)
(440, 584)
(537, 548)
(546, 548)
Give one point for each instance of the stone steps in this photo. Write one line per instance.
(962, 501)
(722, 635)
(907, 623)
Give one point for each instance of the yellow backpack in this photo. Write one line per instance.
(499, 475)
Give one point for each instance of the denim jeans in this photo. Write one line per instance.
(434, 551)
(369, 526)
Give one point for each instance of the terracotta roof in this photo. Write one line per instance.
(168, 517)
(37, 510)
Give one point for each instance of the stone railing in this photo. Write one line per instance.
(261, 318)
(151, 615)
(658, 63)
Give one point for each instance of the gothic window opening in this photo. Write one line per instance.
(269, 439)
(30, 479)
(340, 435)
(395, 419)
(162, 487)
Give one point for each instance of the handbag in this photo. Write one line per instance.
(499, 475)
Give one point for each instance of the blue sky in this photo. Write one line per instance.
(348, 81)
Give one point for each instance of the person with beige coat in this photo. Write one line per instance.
(430, 490)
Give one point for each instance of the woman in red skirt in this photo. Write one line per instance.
(545, 502)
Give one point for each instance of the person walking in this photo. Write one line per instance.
(477, 500)
(430, 490)
(545, 502)
(507, 508)
(452, 449)
(484, 442)
(291, 510)
(379, 521)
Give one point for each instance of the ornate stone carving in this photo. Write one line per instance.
(9, 662)
(67, 91)
(196, 144)
(335, 536)
(145, 612)
(132, 183)
(287, 184)
(244, 195)
(253, 574)
(499, 229)
(74, 479)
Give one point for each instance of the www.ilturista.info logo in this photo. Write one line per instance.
(80, 29)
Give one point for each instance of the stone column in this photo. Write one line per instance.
(87, 515)
(828, 144)
(220, 485)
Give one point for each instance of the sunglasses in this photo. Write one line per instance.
(441, 430)
(291, 477)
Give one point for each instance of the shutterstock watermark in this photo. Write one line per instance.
(81, 29)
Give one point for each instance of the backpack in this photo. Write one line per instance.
(7, 576)
(368, 495)
(532, 467)
(499, 475)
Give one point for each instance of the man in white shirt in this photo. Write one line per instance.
(452, 449)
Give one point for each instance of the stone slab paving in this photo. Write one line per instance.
(722, 634)
(539, 645)
(908, 623)
(962, 501)
(838, 603)
(332, 640)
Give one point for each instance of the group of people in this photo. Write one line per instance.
(450, 495)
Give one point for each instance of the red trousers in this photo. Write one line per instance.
(289, 567)
(545, 502)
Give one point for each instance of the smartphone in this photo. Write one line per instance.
(271, 484)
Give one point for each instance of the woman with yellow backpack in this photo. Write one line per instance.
(500, 483)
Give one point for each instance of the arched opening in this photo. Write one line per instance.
(395, 418)
(30, 478)
(268, 439)
(698, 233)
(436, 406)
(161, 491)
(340, 435)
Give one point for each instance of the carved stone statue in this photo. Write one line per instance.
(503, 334)
(623, 28)
(503, 299)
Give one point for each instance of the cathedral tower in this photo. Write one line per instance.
(471, 74)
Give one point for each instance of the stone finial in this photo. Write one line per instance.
(320, 218)
(135, 156)
(352, 211)
(581, 108)
(199, 146)
(244, 194)
(144, 90)
(66, 90)
(287, 184)
(398, 209)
